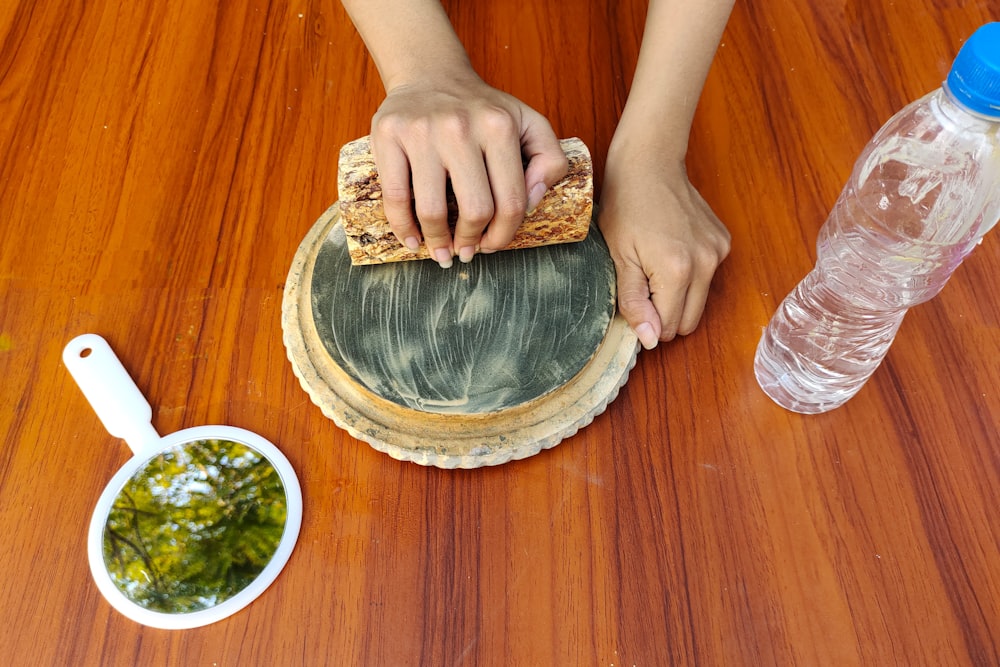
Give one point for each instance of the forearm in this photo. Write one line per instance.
(679, 43)
(409, 40)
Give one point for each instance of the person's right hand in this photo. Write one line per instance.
(460, 128)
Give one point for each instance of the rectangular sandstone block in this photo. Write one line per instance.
(563, 215)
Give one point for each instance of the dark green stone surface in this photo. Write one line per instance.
(475, 338)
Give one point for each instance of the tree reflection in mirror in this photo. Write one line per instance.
(194, 526)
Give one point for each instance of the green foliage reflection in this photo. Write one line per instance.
(194, 526)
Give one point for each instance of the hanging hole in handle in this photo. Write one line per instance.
(85, 352)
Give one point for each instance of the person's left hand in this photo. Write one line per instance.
(666, 244)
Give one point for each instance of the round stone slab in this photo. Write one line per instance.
(461, 367)
(500, 331)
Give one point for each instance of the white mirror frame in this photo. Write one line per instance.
(156, 619)
(126, 414)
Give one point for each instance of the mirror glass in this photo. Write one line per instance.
(195, 525)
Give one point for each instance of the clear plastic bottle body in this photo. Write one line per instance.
(921, 196)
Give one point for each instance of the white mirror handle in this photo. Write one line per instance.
(111, 392)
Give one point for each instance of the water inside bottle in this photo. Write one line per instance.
(820, 347)
(883, 265)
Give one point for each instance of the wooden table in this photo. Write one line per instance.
(161, 162)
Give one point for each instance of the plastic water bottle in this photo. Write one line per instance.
(922, 195)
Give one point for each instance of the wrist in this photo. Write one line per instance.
(646, 136)
(409, 41)
(645, 152)
(453, 67)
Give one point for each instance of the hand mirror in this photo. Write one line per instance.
(196, 524)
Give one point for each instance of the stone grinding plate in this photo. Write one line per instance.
(474, 365)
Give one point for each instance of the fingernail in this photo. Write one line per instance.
(466, 254)
(535, 196)
(646, 335)
(443, 257)
(412, 242)
(487, 251)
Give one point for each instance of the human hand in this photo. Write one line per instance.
(666, 244)
(458, 127)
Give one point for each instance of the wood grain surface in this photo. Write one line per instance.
(161, 162)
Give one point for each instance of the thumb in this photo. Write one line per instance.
(635, 305)
(546, 161)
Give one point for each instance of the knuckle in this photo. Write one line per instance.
(396, 195)
(725, 247)
(633, 305)
(680, 267)
(477, 213)
(511, 207)
(498, 121)
(398, 127)
(560, 164)
(388, 125)
(432, 213)
(457, 126)
(435, 239)
(633, 294)
(707, 258)
(399, 226)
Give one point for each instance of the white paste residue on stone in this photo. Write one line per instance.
(485, 336)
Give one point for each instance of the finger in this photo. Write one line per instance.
(635, 305)
(431, 206)
(694, 304)
(706, 260)
(397, 199)
(503, 163)
(471, 184)
(668, 298)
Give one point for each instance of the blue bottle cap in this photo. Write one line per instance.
(974, 78)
